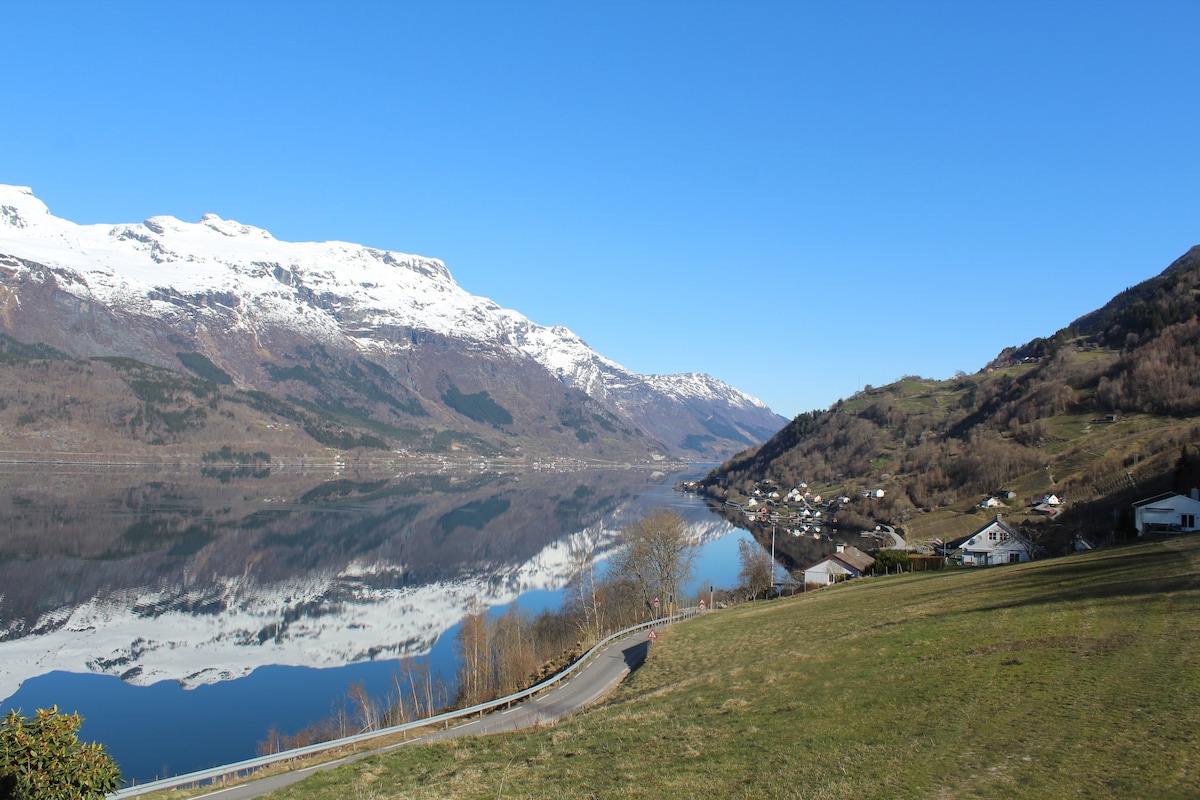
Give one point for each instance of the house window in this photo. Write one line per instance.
(993, 535)
(1187, 520)
(1013, 558)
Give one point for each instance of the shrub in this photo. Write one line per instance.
(43, 759)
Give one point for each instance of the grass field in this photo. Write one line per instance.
(1071, 678)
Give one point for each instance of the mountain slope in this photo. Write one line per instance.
(1102, 412)
(379, 338)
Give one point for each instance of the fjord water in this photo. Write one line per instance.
(184, 614)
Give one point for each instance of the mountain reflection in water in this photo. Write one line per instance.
(307, 580)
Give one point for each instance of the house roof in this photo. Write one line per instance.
(1003, 546)
(850, 558)
(1158, 498)
(1011, 540)
(855, 559)
(996, 522)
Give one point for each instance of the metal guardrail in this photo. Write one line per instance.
(249, 765)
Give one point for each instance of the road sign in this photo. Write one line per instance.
(656, 604)
(701, 605)
(652, 635)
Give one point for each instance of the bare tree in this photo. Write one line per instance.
(365, 707)
(514, 654)
(583, 592)
(657, 557)
(757, 572)
(474, 670)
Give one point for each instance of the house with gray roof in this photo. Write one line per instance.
(995, 543)
(846, 563)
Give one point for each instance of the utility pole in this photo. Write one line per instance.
(772, 559)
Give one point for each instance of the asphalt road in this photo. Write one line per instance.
(898, 542)
(586, 686)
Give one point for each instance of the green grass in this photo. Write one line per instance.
(1088, 356)
(1072, 678)
(947, 524)
(1069, 426)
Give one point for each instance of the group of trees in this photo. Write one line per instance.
(1161, 376)
(41, 758)
(416, 692)
(499, 655)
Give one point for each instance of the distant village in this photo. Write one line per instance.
(799, 512)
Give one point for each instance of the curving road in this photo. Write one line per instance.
(898, 542)
(588, 685)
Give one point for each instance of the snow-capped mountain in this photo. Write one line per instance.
(314, 322)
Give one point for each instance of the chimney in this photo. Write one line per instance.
(841, 548)
(1195, 493)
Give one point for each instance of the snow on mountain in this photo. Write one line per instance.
(239, 293)
(122, 265)
(699, 386)
(324, 289)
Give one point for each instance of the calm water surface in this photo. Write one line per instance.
(185, 615)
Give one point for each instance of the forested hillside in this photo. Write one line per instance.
(1104, 409)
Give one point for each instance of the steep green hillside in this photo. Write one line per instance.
(1071, 678)
(1104, 411)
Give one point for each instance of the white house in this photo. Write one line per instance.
(1170, 512)
(846, 563)
(995, 543)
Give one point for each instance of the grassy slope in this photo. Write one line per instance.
(1076, 677)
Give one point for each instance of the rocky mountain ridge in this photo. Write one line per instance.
(372, 340)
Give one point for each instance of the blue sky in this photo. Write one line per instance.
(798, 198)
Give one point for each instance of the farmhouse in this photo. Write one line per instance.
(846, 563)
(1173, 513)
(995, 543)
